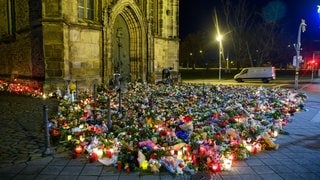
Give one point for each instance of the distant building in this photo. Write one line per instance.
(88, 41)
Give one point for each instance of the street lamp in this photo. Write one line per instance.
(201, 57)
(228, 69)
(219, 39)
(298, 58)
(190, 60)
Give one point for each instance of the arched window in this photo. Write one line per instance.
(86, 9)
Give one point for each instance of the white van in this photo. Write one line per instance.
(264, 73)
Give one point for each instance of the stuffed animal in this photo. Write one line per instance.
(265, 136)
(232, 134)
(187, 126)
(154, 165)
(148, 143)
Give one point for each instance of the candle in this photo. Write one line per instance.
(119, 165)
(256, 148)
(109, 153)
(81, 138)
(184, 149)
(227, 162)
(188, 157)
(69, 137)
(93, 157)
(72, 97)
(275, 133)
(179, 154)
(202, 150)
(249, 147)
(78, 149)
(214, 167)
(99, 152)
(44, 96)
(188, 147)
(194, 159)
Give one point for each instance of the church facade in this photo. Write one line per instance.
(88, 41)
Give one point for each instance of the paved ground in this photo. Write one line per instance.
(21, 134)
(22, 144)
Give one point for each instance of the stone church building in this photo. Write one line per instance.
(88, 41)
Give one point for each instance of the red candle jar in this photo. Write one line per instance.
(202, 150)
(78, 149)
(119, 165)
(109, 153)
(194, 159)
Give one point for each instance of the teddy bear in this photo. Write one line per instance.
(265, 136)
(154, 165)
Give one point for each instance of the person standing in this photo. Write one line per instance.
(166, 75)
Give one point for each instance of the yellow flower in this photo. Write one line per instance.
(144, 165)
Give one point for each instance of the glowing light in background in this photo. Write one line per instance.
(317, 21)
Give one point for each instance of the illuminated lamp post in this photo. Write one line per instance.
(190, 60)
(219, 39)
(298, 59)
(201, 57)
(228, 69)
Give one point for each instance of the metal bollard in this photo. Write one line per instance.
(109, 112)
(94, 100)
(120, 98)
(46, 130)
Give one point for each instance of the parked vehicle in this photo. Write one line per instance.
(264, 73)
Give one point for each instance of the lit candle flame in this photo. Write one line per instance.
(44, 96)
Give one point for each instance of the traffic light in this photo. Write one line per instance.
(312, 64)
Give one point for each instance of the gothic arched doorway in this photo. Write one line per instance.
(126, 43)
(121, 48)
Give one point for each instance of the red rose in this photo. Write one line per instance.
(153, 156)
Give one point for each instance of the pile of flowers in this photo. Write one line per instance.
(22, 87)
(181, 128)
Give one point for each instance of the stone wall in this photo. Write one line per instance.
(53, 49)
(72, 47)
(22, 53)
(85, 55)
(166, 54)
(16, 57)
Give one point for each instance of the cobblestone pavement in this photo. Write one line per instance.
(21, 122)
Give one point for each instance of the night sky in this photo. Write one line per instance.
(196, 16)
